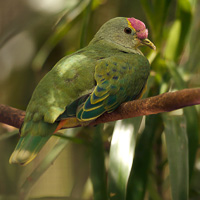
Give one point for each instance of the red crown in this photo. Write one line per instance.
(140, 28)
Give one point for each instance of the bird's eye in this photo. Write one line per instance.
(127, 30)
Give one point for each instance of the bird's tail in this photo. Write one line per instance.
(27, 149)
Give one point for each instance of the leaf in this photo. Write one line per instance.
(7, 135)
(191, 119)
(173, 40)
(87, 13)
(177, 150)
(193, 62)
(152, 190)
(179, 31)
(59, 34)
(72, 139)
(55, 198)
(98, 174)
(156, 21)
(9, 197)
(46, 163)
(139, 173)
(121, 156)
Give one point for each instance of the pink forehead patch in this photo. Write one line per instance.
(140, 28)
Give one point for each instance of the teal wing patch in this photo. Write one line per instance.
(94, 105)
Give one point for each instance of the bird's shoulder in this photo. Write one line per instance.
(121, 64)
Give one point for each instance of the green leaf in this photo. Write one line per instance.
(152, 190)
(139, 173)
(191, 119)
(173, 40)
(9, 197)
(55, 198)
(177, 150)
(193, 62)
(121, 156)
(87, 13)
(98, 174)
(156, 21)
(8, 135)
(72, 139)
(62, 29)
(179, 31)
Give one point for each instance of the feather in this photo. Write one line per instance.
(27, 149)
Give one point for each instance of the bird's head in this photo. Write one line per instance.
(126, 32)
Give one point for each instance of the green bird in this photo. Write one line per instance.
(84, 85)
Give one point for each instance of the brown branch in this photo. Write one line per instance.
(162, 103)
(11, 116)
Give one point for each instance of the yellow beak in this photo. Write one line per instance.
(148, 43)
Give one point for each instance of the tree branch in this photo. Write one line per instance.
(162, 103)
(11, 116)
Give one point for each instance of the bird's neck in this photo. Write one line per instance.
(107, 44)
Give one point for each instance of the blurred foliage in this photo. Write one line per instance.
(155, 157)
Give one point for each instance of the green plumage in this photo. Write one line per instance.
(120, 78)
(94, 80)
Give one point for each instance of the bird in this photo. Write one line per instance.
(82, 86)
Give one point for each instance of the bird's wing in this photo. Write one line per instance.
(119, 78)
